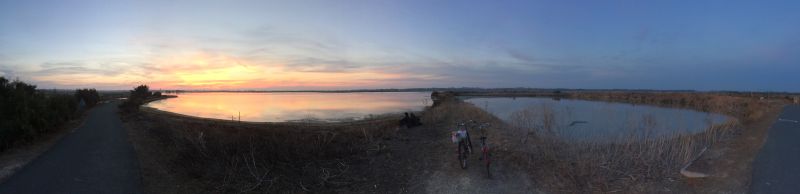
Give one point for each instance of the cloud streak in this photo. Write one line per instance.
(302, 45)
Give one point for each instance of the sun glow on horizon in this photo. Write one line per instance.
(323, 45)
(216, 71)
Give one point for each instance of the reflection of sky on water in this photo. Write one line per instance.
(604, 120)
(277, 107)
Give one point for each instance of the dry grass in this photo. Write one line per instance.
(745, 108)
(630, 164)
(449, 114)
(224, 156)
(532, 142)
(593, 166)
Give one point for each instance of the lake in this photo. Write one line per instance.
(293, 106)
(593, 120)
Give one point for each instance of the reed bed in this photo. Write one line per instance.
(226, 156)
(638, 156)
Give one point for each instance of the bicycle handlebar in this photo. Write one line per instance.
(473, 123)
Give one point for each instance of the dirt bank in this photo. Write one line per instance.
(187, 154)
(728, 159)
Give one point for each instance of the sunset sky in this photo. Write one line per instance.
(277, 45)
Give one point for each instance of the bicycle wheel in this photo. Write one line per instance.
(488, 165)
(488, 171)
(462, 155)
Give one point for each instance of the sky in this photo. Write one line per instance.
(298, 45)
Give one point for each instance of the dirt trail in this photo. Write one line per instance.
(448, 177)
(439, 171)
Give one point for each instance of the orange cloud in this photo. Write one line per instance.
(214, 71)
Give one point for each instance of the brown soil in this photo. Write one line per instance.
(376, 156)
(157, 175)
(376, 167)
(729, 163)
(388, 159)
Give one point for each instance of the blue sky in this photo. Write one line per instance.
(701, 45)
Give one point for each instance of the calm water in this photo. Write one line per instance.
(296, 106)
(592, 120)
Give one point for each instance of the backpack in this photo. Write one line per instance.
(458, 136)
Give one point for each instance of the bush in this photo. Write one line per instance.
(138, 96)
(89, 96)
(140, 92)
(26, 113)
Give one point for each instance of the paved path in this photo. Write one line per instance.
(94, 158)
(777, 167)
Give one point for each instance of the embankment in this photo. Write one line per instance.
(649, 166)
(205, 155)
(189, 154)
(178, 153)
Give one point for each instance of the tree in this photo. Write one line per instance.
(140, 92)
(138, 96)
(89, 96)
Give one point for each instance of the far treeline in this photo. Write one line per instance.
(27, 113)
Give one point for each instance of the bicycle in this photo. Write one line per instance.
(486, 156)
(461, 137)
(485, 151)
(462, 154)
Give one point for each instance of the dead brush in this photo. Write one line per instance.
(449, 113)
(593, 166)
(255, 158)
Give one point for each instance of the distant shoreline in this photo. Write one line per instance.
(310, 91)
(512, 91)
(343, 122)
(162, 97)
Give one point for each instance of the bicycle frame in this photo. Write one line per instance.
(486, 156)
(462, 154)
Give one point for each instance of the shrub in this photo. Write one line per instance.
(26, 113)
(140, 92)
(137, 97)
(89, 96)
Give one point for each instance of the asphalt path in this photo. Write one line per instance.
(777, 167)
(94, 158)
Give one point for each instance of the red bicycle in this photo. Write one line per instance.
(486, 154)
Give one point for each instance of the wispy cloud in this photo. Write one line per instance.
(75, 68)
(308, 45)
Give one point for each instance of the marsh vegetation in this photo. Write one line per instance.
(580, 120)
(639, 155)
(533, 145)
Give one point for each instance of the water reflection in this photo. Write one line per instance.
(591, 120)
(278, 107)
